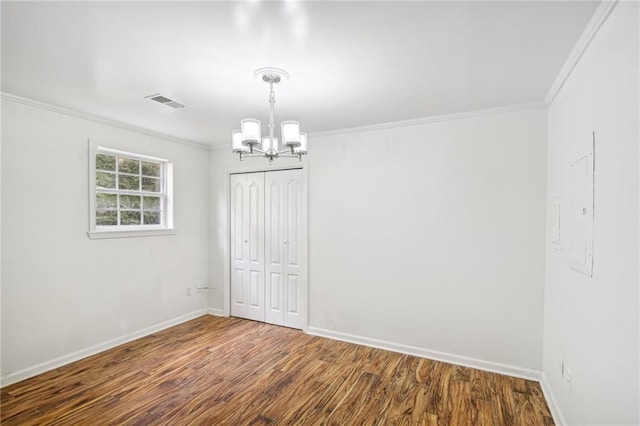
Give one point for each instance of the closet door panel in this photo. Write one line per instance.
(256, 213)
(275, 293)
(293, 298)
(247, 245)
(255, 245)
(237, 291)
(254, 289)
(274, 253)
(274, 220)
(293, 221)
(238, 261)
(293, 274)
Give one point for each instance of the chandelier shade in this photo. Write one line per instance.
(249, 142)
(269, 144)
(290, 131)
(236, 142)
(251, 131)
(302, 148)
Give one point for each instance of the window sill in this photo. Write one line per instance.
(99, 235)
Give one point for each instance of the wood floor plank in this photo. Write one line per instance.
(481, 385)
(520, 385)
(537, 399)
(460, 402)
(526, 413)
(481, 412)
(424, 371)
(350, 408)
(228, 371)
(505, 411)
(439, 390)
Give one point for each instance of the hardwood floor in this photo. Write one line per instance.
(228, 371)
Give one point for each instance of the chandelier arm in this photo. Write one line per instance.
(298, 156)
(270, 156)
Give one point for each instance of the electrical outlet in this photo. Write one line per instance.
(188, 291)
(567, 378)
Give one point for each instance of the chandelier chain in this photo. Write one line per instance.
(272, 101)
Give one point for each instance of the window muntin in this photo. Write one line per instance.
(130, 191)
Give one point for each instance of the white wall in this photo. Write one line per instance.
(63, 293)
(592, 323)
(430, 236)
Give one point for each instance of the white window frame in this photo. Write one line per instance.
(126, 231)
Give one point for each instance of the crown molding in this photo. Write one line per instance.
(214, 146)
(99, 119)
(599, 17)
(433, 119)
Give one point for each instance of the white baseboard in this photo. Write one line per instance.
(558, 418)
(75, 356)
(494, 367)
(215, 311)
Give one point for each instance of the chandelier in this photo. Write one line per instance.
(249, 142)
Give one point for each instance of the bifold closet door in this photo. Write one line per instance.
(247, 245)
(284, 295)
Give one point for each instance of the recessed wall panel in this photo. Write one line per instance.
(581, 213)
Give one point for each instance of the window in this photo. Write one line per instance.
(132, 194)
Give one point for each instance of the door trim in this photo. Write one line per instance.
(226, 290)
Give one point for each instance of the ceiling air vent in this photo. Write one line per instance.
(165, 101)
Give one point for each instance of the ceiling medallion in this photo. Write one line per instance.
(248, 142)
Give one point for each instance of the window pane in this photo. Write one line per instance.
(128, 165)
(106, 201)
(150, 169)
(151, 203)
(129, 190)
(105, 162)
(106, 217)
(150, 184)
(129, 182)
(129, 201)
(129, 218)
(152, 218)
(105, 180)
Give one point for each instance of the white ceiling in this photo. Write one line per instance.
(351, 63)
